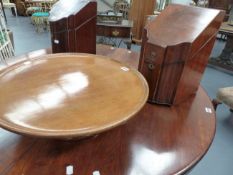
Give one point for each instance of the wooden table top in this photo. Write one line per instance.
(69, 95)
(159, 140)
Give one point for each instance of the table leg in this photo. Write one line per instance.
(128, 44)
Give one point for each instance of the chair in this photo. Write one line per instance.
(224, 95)
(33, 9)
(8, 4)
(40, 18)
(202, 3)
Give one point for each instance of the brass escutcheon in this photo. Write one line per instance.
(115, 33)
(151, 66)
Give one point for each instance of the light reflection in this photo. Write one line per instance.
(11, 74)
(51, 97)
(125, 69)
(20, 69)
(73, 82)
(56, 13)
(27, 62)
(146, 161)
(22, 111)
(36, 53)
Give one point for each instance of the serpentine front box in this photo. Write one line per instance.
(73, 26)
(175, 51)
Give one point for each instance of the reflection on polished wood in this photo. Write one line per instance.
(138, 11)
(73, 31)
(69, 95)
(158, 140)
(175, 50)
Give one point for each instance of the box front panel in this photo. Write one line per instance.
(172, 70)
(85, 37)
(59, 37)
(210, 31)
(192, 74)
(151, 66)
(59, 42)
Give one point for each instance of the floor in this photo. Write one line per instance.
(218, 160)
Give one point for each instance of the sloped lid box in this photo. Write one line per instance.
(73, 26)
(175, 51)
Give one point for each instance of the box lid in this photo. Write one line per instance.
(189, 23)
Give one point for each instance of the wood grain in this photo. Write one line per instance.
(158, 140)
(175, 50)
(138, 11)
(69, 95)
(121, 30)
(75, 33)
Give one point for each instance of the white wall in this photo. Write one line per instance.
(186, 2)
(110, 1)
(101, 7)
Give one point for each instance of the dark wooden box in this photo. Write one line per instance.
(175, 51)
(77, 32)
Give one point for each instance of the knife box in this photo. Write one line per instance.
(175, 51)
(75, 29)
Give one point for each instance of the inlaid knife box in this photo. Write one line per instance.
(73, 26)
(175, 50)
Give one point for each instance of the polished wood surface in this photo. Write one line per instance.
(138, 11)
(77, 32)
(69, 95)
(175, 50)
(221, 4)
(158, 140)
(121, 30)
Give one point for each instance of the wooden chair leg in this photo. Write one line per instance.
(215, 103)
(15, 11)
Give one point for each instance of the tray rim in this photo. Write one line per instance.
(71, 134)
